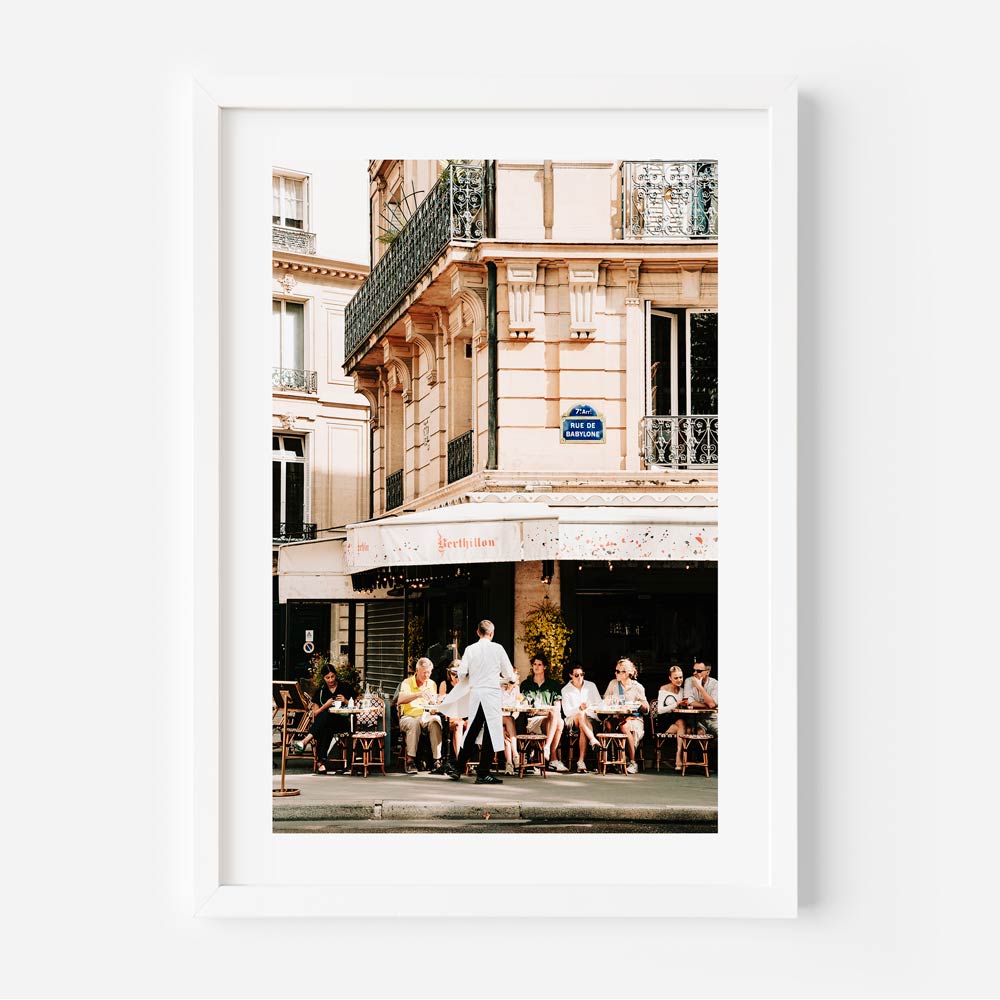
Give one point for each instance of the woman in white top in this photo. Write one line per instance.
(626, 688)
(671, 697)
(456, 725)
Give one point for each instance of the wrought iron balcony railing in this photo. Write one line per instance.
(460, 457)
(296, 240)
(394, 490)
(452, 213)
(670, 199)
(292, 531)
(293, 378)
(680, 442)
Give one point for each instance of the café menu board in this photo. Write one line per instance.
(582, 423)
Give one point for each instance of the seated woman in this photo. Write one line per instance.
(456, 726)
(626, 688)
(326, 728)
(510, 695)
(671, 697)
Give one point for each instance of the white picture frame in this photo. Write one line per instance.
(220, 886)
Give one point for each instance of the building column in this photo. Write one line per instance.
(635, 366)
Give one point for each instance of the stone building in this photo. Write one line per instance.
(537, 343)
(320, 456)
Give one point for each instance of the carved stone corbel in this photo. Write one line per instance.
(522, 275)
(583, 276)
(632, 282)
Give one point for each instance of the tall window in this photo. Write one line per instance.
(683, 362)
(288, 481)
(288, 320)
(289, 200)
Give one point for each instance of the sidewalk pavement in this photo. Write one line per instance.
(648, 796)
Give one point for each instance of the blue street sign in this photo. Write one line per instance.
(582, 423)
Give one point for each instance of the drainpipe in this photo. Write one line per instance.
(491, 365)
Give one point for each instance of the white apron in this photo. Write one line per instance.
(483, 664)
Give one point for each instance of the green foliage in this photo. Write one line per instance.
(347, 673)
(545, 630)
(415, 632)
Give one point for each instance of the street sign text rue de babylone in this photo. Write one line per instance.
(583, 424)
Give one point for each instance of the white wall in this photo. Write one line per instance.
(898, 533)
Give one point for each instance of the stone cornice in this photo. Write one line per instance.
(646, 488)
(668, 256)
(305, 265)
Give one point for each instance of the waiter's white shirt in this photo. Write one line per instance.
(483, 664)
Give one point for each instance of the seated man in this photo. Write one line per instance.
(578, 699)
(626, 688)
(541, 691)
(416, 695)
(702, 691)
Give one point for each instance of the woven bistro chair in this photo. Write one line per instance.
(703, 740)
(529, 749)
(368, 742)
(611, 751)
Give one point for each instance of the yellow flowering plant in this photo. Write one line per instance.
(544, 630)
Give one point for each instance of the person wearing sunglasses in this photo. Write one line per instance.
(627, 690)
(579, 697)
(702, 691)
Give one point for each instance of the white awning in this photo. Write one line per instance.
(315, 571)
(515, 532)
(465, 533)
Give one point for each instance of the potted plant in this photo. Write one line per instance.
(545, 630)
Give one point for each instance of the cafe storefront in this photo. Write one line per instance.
(632, 581)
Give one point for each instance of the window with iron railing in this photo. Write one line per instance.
(394, 490)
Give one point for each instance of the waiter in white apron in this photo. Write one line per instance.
(477, 696)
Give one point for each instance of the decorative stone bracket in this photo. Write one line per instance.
(521, 278)
(583, 276)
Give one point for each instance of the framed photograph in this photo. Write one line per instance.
(589, 322)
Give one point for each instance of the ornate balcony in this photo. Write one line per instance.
(452, 213)
(460, 457)
(680, 442)
(293, 379)
(292, 531)
(670, 199)
(394, 490)
(296, 240)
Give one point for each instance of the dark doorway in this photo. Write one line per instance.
(656, 616)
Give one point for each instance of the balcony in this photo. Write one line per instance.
(683, 442)
(670, 199)
(294, 380)
(460, 457)
(451, 214)
(394, 490)
(292, 531)
(296, 240)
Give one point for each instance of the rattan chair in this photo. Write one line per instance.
(703, 740)
(611, 752)
(368, 738)
(530, 749)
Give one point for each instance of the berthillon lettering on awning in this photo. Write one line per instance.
(515, 532)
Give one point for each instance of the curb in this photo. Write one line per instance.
(563, 812)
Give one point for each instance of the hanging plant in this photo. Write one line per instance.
(544, 630)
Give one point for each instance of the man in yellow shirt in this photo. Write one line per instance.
(416, 693)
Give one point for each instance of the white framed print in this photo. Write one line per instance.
(244, 133)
